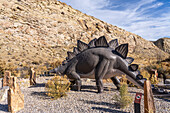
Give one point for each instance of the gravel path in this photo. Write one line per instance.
(85, 101)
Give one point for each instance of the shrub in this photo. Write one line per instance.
(57, 87)
(123, 99)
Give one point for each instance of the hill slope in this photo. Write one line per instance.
(41, 31)
(163, 44)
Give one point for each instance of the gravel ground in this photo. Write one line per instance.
(85, 101)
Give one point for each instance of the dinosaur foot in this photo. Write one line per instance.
(100, 90)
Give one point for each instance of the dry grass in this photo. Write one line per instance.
(57, 87)
(123, 99)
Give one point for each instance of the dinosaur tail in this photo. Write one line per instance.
(132, 72)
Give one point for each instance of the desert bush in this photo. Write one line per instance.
(57, 87)
(153, 78)
(145, 74)
(123, 99)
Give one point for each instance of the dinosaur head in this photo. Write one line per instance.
(59, 70)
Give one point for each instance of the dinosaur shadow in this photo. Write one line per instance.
(108, 110)
(115, 105)
(167, 99)
(110, 105)
(4, 107)
(92, 89)
(40, 95)
(38, 85)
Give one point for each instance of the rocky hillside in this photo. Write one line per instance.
(34, 32)
(163, 44)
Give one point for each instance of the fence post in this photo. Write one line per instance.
(149, 106)
(137, 102)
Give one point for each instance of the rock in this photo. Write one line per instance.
(4, 93)
(6, 80)
(32, 77)
(15, 97)
(1, 79)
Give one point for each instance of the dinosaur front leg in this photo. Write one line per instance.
(77, 80)
(101, 70)
(116, 81)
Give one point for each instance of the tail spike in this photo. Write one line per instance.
(133, 67)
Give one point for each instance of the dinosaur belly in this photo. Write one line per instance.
(87, 63)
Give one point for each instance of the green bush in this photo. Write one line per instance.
(57, 87)
(123, 99)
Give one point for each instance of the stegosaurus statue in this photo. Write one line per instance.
(99, 60)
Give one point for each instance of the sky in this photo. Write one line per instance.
(149, 19)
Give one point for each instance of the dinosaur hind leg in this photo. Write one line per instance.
(116, 81)
(72, 83)
(101, 70)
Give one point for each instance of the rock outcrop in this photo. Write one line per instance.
(163, 44)
(15, 96)
(36, 32)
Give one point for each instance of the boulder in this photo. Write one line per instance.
(15, 97)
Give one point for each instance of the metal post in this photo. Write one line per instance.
(137, 102)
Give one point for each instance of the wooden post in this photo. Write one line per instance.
(137, 102)
(149, 106)
(32, 77)
(6, 80)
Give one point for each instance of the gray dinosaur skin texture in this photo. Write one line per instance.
(97, 63)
